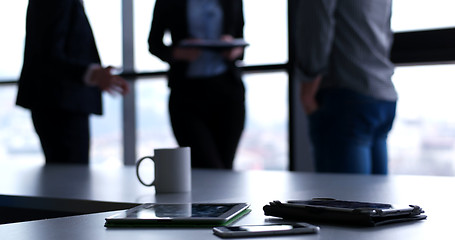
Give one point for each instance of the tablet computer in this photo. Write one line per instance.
(214, 44)
(179, 215)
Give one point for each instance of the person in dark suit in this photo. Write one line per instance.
(207, 102)
(62, 78)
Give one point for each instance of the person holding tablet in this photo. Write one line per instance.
(207, 102)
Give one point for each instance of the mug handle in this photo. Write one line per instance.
(137, 172)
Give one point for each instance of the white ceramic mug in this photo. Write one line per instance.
(172, 170)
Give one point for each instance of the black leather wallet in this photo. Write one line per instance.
(343, 212)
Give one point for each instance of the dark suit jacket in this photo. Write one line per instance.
(59, 47)
(171, 15)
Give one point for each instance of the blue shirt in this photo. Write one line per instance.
(348, 42)
(205, 19)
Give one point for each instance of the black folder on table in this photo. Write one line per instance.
(343, 212)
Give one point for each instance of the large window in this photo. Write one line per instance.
(144, 61)
(413, 15)
(422, 140)
(266, 29)
(12, 27)
(264, 142)
(18, 141)
(154, 129)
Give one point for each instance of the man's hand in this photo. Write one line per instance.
(308, 91)
(106, 81)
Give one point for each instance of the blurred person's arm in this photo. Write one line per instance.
(314, 38)
(51, 37)
(96, 75)
(162, 17)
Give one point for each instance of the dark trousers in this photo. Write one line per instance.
(208, 115)
(349, 132)
(64, 135)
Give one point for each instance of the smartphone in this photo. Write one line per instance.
(265, 230)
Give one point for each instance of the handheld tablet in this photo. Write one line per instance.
(188, 214)
(214, 44)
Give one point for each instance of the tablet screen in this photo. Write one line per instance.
(191, 213)
(179, 211)
(214, 44)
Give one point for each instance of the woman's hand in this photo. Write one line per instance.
(232, 53)
(188, 54)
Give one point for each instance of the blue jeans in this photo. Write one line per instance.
(349, 132)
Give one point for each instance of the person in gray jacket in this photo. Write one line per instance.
(342, 61)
